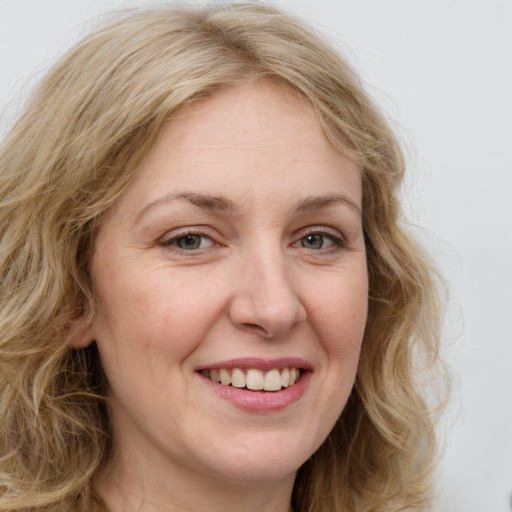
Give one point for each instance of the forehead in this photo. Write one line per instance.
(245, 113)
(248, 140)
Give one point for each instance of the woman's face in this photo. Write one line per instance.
(237, 253)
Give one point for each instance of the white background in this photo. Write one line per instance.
(442, 71)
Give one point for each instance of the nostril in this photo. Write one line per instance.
(254, 328)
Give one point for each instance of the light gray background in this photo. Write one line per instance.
(442, 70)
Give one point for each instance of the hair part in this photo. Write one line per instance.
(89, 126)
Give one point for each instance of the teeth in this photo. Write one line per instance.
(273, 381)
(285, 377)
(254, 379)
(238, 378)
(224, 376)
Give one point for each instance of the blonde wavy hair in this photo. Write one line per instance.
(85, 132)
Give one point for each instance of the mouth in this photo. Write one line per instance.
(254, 379)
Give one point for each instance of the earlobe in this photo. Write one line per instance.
(79, 333)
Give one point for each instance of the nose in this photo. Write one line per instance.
(265, 301)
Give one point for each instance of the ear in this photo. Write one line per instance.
(80, 333)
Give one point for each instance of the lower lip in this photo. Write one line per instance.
(260, 401)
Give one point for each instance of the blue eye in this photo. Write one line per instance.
(317, 241)
(189, 242)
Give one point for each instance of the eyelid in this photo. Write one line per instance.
(333, 233)
(172, 236)
(336, 246)
(169, 238)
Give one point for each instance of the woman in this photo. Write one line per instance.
(208, 299)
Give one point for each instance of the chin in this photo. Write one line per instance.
(268, 458)
(256, 472)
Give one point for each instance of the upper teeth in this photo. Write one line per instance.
(253, 378)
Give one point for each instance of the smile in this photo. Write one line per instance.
(253, 378)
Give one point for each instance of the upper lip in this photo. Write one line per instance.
(246, 363)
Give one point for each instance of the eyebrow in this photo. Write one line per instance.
(318, 202)
(205, 202)
(220, 203)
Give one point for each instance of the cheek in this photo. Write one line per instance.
(339, 320)
(339, 315)
(163, 314)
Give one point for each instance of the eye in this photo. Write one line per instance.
(189, 242)
(316, 241)
(320, 238)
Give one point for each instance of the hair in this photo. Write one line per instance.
(84, 134)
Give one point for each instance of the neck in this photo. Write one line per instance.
(127, 487)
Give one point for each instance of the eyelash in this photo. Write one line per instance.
(338, 242)
(173, 241)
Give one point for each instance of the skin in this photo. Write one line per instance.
(268, 272)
